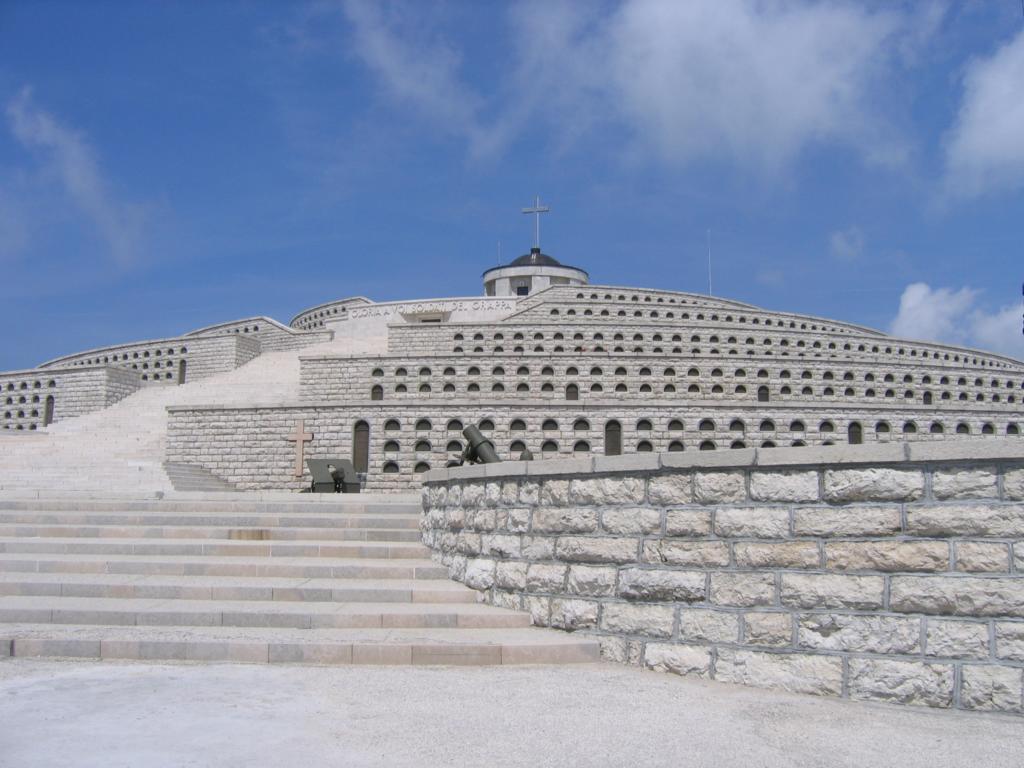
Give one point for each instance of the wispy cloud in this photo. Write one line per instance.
(985, 147)
(846, 245)
(958, 317)
(68, 155)
(419, 69)
(749, 82)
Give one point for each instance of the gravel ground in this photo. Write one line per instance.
(65, 713)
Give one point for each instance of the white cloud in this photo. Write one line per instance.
(416, 70)
(957, 317)
(846, 245)
(119, 225)
(744, 80)
(985, 147)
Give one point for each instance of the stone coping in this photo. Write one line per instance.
(688, 409)
(811, 456)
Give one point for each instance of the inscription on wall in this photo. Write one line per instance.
(433, 306)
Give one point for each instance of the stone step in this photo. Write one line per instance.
(143, 547)
(233, 503)
(118, 585)
(312, 646)
(290, 567)
(223, 519)
(239, 533)
(252, 613)
(222, 548)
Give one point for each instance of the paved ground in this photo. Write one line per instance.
(106, 714)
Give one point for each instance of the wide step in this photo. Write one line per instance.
(312, 646)
(238, 577)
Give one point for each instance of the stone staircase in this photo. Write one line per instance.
(122, 447)
(236, 577)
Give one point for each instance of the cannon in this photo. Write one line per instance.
(332, 476)
(479, 450)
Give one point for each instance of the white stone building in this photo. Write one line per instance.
(543, 360)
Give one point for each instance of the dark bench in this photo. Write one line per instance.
(333, 476)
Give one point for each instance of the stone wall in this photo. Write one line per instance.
(273, 336)
(890, 573)
(246, 445)
(83, 390)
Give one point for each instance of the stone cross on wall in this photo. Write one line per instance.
(300, 438)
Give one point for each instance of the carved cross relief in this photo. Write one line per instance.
(300, 438)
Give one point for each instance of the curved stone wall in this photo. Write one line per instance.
(890, 573)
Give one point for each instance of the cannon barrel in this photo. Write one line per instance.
(479, 450)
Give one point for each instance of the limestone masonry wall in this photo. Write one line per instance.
(890, 573)
(25, 393)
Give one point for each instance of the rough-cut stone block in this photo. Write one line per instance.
(719, 487)
(628, 619)
(679, 659)
(510, 600)
(501, 545)
(479, 574)
(698, 554)
(539, 609)
(1010, 640)
(510, 575)
(965, 483)
(669, 489)
(873, 484)
(797, 672)
(661, 585)
(846, 521)
(959, 596)
(901, 682)
(544, 577)
(492, 493)
(472, 495)
(708, 625)
(592, 580)
(529, 492)
(887, 555)
(991, 688)
(688, 522)
(626, 520)
(538, 547)
(762, 628)
(601, 491)
(743, 590)
(956, 639)
(813, 590)
(585, 549)
(784, 486)
(573, 614)
(858, 634)
(554, 492)
(509, 493)
(1013, 485)
(564, 520)
(982, 557)
(518, 520)
(966, 520)
(782, 554)
(620, 650)
(481, 520)
(759, 522)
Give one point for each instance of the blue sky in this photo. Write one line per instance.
(168, 165)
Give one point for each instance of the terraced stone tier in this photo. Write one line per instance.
(229, 577)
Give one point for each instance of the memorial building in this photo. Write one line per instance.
(542, 360)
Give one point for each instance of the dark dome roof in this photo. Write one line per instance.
(535, 259)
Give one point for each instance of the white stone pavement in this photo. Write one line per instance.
(57, 714)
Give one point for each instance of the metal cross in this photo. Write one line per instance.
(300, 438)
(537, 210)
